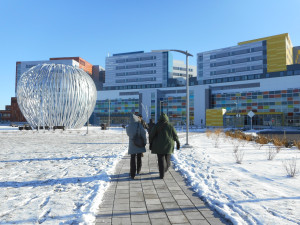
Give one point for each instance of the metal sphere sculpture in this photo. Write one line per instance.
(56, 95)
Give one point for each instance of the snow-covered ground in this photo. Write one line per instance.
(257, 191)
(56, 177)
(60, 177)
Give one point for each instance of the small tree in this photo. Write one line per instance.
(291, 167)
(238, 155)
(271, 152)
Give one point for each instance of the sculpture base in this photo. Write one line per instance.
(187, 146)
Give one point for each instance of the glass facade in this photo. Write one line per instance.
(115, 110)
(272, 108)
(175, 108)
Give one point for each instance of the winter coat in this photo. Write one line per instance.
(150, 126)
(134, 127)
(163, 142)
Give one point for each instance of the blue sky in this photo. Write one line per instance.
(39, 30)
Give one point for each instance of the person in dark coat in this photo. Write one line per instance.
(135, 151)
(162, 138)
(150, 125)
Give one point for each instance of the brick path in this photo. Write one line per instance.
(150, 200)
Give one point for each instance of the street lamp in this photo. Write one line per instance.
(108, 113)
(160, 108)
(187, 92)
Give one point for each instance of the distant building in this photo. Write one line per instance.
(12, 112)
(260, 75)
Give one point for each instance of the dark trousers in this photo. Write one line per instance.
(135, 164)
(163, 163)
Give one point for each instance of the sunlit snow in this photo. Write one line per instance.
(59, 177)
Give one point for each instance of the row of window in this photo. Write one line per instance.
(136, 73)
(182, 68)
(236, 70)
(251, 77)
(237, 52)
(135, 66)
(123, 87)
(135, 59)
(236, 61)
(136, 80)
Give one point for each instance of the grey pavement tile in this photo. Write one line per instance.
(184, 202)
(175, 188)
(138, 211)
(121, 213)
(137, 199)
(167, 199)
(105, 209)
(149, 187)
(153, 201)
(135, 185)
(200, 222)
(165, 194)
(140, 218)
(149, 191)
(181, 197)
(215, 221)
(136, 194)
(208, 213)
(171, 205)
(160, 221)
(137, 204)
(135, 190)
(174, 212)
(194, 215)
(154, 208)
(123, 191)
(141, 223)
(122, 206)
(121, 196)
(155, 215)
(178, 219)
(121, 221)
(176, 192)
(121, 201)
(102, 221)
(186, 208)
(151, 196)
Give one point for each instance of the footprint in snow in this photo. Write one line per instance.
(44, 202)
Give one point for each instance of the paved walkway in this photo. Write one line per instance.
(150, 200)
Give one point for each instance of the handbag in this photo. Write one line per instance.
(138, 140)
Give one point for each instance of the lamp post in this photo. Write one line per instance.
(160, 108)
(187, 54)
(108, 113)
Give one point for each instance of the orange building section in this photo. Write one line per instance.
(83, 64)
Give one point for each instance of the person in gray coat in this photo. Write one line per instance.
(135, 126)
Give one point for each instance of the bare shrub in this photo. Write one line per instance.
(271, 153)
(262, 140)
(278, 143)
(208, 133)
(297, 144)
(291, 167)
(236, 146)
(238, 155)
(217, 134)
(249, 137)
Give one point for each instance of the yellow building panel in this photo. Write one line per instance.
(214, 117)
(279, 51)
